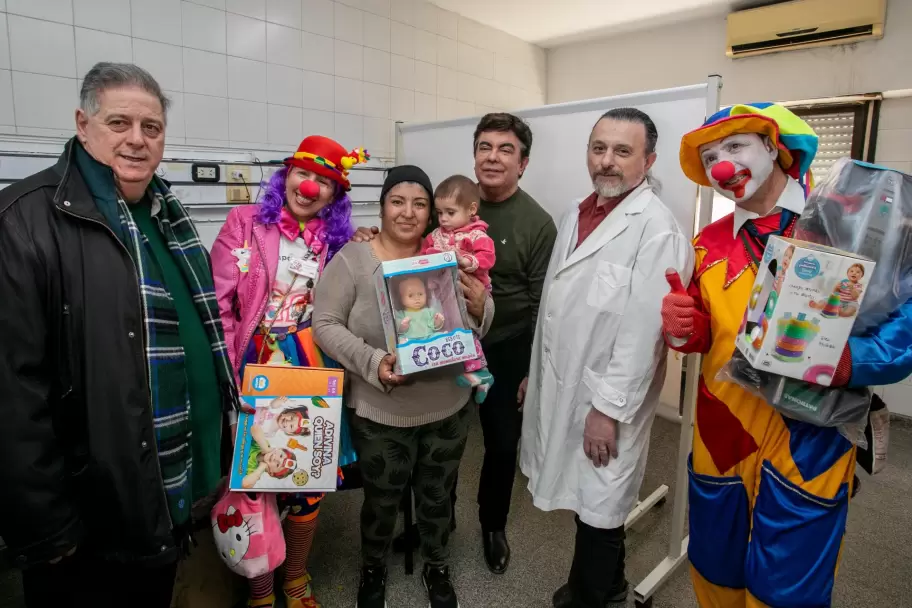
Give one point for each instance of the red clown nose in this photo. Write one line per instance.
(722, 172)
(311, 189)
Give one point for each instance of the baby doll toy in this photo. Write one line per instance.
(843, 301)
(416, 320)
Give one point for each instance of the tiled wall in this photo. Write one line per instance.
(255, 73)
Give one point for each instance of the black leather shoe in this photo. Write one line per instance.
(496, 551)
(563, 597)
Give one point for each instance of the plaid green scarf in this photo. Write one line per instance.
(164, 352)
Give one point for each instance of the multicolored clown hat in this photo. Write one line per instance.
(328, 158)
(796, 141)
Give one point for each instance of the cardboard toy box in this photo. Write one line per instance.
(423, 315)
(801, 309)
(291, 443)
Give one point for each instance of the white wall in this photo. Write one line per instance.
(265, 73)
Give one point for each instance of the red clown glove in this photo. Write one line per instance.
(678, 308)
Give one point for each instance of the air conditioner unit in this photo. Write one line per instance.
(802, 24)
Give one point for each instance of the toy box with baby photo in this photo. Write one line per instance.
(291, 442)
(802, 308)
(423, 318)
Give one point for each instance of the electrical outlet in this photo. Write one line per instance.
(237, 194)
(204, 172)
(238, 174)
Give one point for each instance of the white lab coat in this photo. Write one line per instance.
(598, 343)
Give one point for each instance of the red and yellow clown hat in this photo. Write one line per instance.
(328, 158)
(795, 139)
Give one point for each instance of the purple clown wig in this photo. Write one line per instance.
(337, 225)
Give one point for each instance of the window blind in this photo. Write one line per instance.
(836, 131)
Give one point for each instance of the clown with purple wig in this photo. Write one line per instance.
(266, 261)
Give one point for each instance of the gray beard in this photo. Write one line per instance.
(609, 191)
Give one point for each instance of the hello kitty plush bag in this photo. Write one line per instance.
(248, 533)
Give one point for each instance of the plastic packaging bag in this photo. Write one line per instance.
(843, 408)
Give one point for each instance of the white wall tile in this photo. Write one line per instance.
(464, 108)
(504, 69)
(376, 66)
(425, 77)
(50, 10)
(466, 87)
(284, 12)
(205, 117)
(247, 121)
(447, 24)
(482, 110)
(205, 142)
(284, 45)
(317, 17)
(318, 53)
(349, 60)
(446, 52)
(402, 40)
(402, 72)
(176, 127)
(158, 20)
(4, 44)
(486, 93)
(447, 108)
(318, 122)
(500, 94)
(348, 24)
(203, 28)
(44, 101)
(426, 46)
(248, 8)
(403, 11)
(6, 98)
(402, 104)
(93, 46)
(219, 4)
(107, 15)
(377, 7)
(425, 107)
(284, 85)
(378, 136)
(319, 91)
(358, 4)
(349, 95)
(376, 32)
(284, 125)
(349, 130)
(205, 74)
(475, 61)
(246, 37)
(447, 82)
(376, 100)
(163, 61)
(246, 79)
(426, 16)
(41, 47)
(44, 132)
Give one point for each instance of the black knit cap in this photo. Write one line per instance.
(406, 173)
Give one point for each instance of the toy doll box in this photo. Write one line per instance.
(291, 443)
(423, 317)
(802, 308)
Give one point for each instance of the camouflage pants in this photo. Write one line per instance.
(388, 456)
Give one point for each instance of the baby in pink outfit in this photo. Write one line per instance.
(456, 201)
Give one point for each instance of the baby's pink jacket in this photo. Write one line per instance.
(471, 241)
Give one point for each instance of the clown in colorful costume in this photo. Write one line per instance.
(768, 495)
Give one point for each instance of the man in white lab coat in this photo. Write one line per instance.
(598, 361)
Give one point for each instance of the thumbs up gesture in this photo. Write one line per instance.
(678, 308)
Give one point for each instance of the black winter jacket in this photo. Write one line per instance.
(77, 446)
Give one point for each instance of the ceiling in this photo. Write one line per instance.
(551, 23)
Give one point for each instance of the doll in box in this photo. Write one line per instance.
(416, 320)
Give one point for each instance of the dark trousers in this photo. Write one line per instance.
(501, 424)
(82, 580)
(597, 572)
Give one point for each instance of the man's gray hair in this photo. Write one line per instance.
(105, 75)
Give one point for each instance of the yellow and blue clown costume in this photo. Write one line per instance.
(768, 495)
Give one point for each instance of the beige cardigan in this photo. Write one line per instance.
(347, 326)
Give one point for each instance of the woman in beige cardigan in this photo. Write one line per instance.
(400, 424)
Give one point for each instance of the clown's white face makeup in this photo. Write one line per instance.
(738, 165)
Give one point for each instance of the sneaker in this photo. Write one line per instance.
(439, 588)
(880, 428)
(372, 589)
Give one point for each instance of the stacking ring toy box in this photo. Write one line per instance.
(291, 443)
(424, 320)
(802, 308)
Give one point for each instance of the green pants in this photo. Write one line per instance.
(388, 456)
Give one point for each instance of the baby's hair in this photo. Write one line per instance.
(298, 410)
(859, 267)
(459, 188)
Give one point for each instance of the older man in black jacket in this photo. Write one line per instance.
(113, 375)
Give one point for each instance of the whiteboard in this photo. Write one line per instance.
(557, 174)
